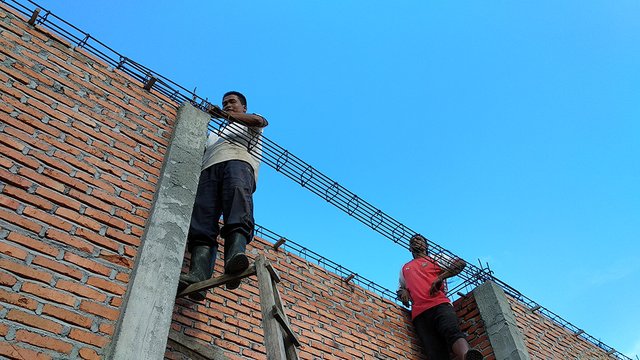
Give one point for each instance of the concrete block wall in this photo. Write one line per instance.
(81, 147)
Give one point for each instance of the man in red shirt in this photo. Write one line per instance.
(422, 282)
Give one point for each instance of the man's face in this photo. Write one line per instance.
(231, 103)
(417, 246)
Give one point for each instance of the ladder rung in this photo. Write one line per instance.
(194, 349)
(213, 282)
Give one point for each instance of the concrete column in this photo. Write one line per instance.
(145, 319)
(500, 323)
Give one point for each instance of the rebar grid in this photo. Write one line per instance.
(327, 264)
(289, 165)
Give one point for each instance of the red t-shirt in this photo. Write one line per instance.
(418, 275)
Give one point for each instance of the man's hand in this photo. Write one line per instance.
(216, 111)
(436, 286)
(403, 295)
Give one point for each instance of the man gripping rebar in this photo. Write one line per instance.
(227, 182)
(423, 284)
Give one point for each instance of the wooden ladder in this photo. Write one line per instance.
(280, 340)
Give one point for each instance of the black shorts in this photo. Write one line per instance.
(438, 329)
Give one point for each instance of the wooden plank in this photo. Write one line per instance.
(274, 274)
(213, 282)
(273, 336)
(194, 349)
(289, 341)
(282, 319)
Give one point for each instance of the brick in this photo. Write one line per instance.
(6, 163)
(45, 342)
(122, 277)
(130, 218)
(48, 294)
(66, 179)
(117, 182)
(7, 279)
(12, 251)
(117, 259)
(50, 161)
(35, 321)
(106, 328)
(111, 199)
(97, 183)
(25, 271)
(97, 239)
(100, 310)
(116, 302)
(105, 218)
(78, 218)
(47, 218)
(88, 338)
(19, 157)
(58, 198)
(28, 198)
(68, 316)
(16, 75)
(65, 238)
(14, 179)
(17, 299)
(81, 290)
(88, 354)
(9, 203)
(90, 200)
(41, 179)
(10, 141)
(14, 351)
(57, 267)
(27, 121)
(86, 263)
(107, 285)
(122, 237)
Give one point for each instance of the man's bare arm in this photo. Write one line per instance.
(251, 120)
(453, 269)
(403, 295)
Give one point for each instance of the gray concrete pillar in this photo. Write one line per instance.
(500, 323)
(145, 317)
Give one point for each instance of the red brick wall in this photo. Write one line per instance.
(333, 319)
(546, 340)
(81, 146)
(472, 324)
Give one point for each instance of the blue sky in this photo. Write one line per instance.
(504, 131)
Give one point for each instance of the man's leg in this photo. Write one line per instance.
(203, 232)
(434, 345)
(446, 323)
(238, 186)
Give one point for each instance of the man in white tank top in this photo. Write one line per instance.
(227, 182)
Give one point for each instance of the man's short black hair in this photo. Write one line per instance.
(418, 237)
(243, 99)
